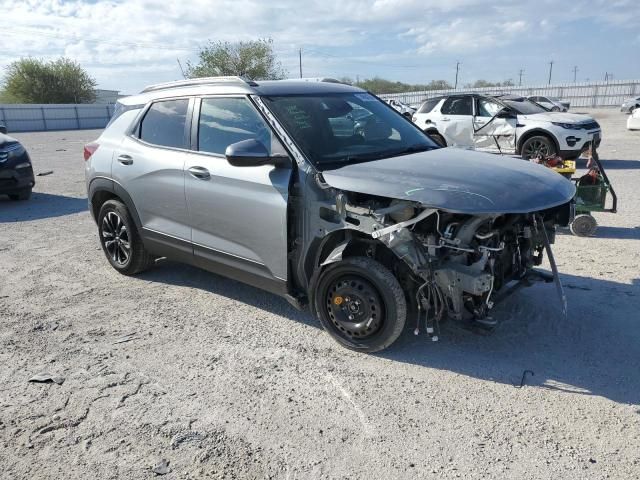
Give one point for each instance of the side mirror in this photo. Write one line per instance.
(251, 153)
(506, 113)
(3, 129)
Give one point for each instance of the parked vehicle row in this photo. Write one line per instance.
(630, 105)
(505, 124)
(16, 171)
(321, 193)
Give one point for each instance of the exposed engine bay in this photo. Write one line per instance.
(458, 264)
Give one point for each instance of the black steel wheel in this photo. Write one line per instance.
(538, 146)
(583, 225)
(21, 195)
(361, 304)
(120, 241)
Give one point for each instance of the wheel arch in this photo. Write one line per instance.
(534, 132)
(104, 189)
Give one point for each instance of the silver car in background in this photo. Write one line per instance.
(630, 104)
(551, 103)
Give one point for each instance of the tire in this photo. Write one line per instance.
(583, 225)
(360, 304)
(125, 252)
(537, 144)
(436, 137)
(22, 195)
(555, 109)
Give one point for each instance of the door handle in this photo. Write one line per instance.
(200, 172)
(125, 159)
(445, 119)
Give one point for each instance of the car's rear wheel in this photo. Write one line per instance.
(538, 146)
(436, 137)
(21, 195)
(120, 239)
(361, 304)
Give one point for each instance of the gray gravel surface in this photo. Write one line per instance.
(223, 380)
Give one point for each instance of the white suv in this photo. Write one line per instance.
(505, 124)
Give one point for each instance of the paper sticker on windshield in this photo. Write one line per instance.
(365, 97)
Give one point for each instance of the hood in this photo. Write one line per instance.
(558, 117)
(459, 181)
(6, 139)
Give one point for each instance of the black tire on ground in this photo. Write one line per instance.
(22, 195)
(555, 109)
(583, 225)
(360, 304)
(120, 240)
(537, 144)
(436, 137)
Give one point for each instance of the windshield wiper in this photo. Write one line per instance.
(418, 147)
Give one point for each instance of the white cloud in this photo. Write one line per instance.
(129, 43)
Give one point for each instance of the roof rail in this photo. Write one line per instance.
(199, 81)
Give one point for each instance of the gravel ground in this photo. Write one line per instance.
(226, 381)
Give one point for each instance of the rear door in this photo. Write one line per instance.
(238, 214)
(493, 134)
(149, 165)
(456, 121)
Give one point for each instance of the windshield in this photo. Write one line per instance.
(345, 128)
(523, 106)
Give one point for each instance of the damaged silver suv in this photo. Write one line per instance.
(324, 194)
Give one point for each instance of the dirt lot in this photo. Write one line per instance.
(226, 381)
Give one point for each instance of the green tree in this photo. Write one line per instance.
(253, 59)
(31, 80)
(484, 84)
(381, 85)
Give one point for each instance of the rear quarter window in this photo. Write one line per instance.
(429, 105)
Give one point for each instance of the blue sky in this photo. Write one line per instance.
(128, 44)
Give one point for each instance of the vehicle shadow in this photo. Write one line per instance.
(620, 164)
(603, 231)
(39, 206)
(594, 351)
(184, 275)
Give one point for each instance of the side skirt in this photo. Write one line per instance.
(236, 268)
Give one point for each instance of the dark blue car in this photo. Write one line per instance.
(16, 172)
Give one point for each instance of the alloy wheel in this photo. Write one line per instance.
(115, 238)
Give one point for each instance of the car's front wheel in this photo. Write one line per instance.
(538, 146)
(120, 240)
(361, 304)
(555, 109)
(21, 195)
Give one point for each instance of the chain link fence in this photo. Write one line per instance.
(587, 95)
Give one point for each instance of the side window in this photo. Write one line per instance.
(534, 99)
(488, 108)
(457, 106)
(428, 105)
(227, 120)
(163, 124)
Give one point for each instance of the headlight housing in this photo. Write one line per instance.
(13, 149)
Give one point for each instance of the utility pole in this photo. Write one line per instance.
(606, 76)
(575, 74)
(300, 59)
(520, 73)
(457, 70)
(550, 70)
(181, 69)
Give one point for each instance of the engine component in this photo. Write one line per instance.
(456, 279)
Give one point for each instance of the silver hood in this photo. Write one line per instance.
(459, 181)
